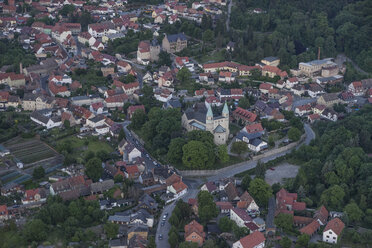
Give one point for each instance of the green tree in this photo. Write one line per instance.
(138, 119)
(244, 103)
(121, 134)
(225, 224)
(245, 182)
(111, 230)
(188, 245)
(196, 155)
(207, 208)
(260, 191)
(333, 197)
(285, 242)
(239, 147)
(294, 134)
(184, 75)
(222, 154)
(303, 240)
(94, 169)
(208, 36)
(173, 239)
(38, 172)
(260, 170)
(118, 178)
(66, 124)
(284, 222)
(175, 151)
(35, 230)
(354, 212)
(164, 59)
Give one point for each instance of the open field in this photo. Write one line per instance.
(80, 147)
(29, 150)
(281, 171)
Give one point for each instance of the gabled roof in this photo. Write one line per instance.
(252, 240)
(311, 228)
(336, 225)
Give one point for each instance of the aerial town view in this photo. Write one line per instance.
(185, 123)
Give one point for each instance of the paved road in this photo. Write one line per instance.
(149, 161)
(228, 15)
(342, 58)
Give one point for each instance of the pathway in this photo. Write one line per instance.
(342, 58)
(228, 15)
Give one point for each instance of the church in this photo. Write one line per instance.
(200, 117)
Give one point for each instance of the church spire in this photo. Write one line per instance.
(225, 111)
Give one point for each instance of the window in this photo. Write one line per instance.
(334, 237)
(327, 236)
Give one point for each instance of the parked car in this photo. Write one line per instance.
(160, 236)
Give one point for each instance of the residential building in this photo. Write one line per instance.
(272, 61)
(273, 71)
(244, 116)
(333, 231)
(194, 233)
(329, 99)
(178, 189)
(240, 217)
(174, 43)
(253, 240)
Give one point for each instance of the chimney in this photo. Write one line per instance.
(318, 53)
(20, 68)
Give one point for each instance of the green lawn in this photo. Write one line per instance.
(234, 128)
(215, 56)
(82, 146)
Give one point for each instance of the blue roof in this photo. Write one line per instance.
(197, 125)
(175, 37)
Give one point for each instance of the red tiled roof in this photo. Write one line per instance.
(336, 225)
(265, 86)
(252, 240)
(224, 205)
(245, 114)
(299, 206)
(311, 228)
(300, 220)
(131, 169)
(194, 226)
(254, 128)
(179, 186)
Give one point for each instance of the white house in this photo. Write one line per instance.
(257, 145)
(240, 216)
(333, 231)
(254, 240)
(97, 121)
(46, 120)
(102, 130)
(131, 152)
(178, 189)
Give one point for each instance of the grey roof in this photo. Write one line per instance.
(249, 136)
(219, 129)
(260, 105)
(148, 201)
(97, 118)
(256, 142)
(271, 59)
(330, 97)
(119, 218)
(138, 228)
(38, 116)
(175, 37)
(29, 97)
(102, 186)
(174, 103)
(199, 113)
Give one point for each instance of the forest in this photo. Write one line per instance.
(336, 168)
(294, 30)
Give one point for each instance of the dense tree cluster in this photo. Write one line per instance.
(57, 221)
(12, 53)
(336, 169)
(294, 30)
(196, 150)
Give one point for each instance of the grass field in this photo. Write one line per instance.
(82, 146)
(29, 150)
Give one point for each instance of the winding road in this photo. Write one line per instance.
(228, 15)
(194, 183)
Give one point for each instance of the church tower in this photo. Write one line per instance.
(209, 125)
(225, 111)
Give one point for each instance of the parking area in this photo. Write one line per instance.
(278, 173)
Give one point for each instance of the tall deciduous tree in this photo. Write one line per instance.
(94, 169)
(260, 191)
